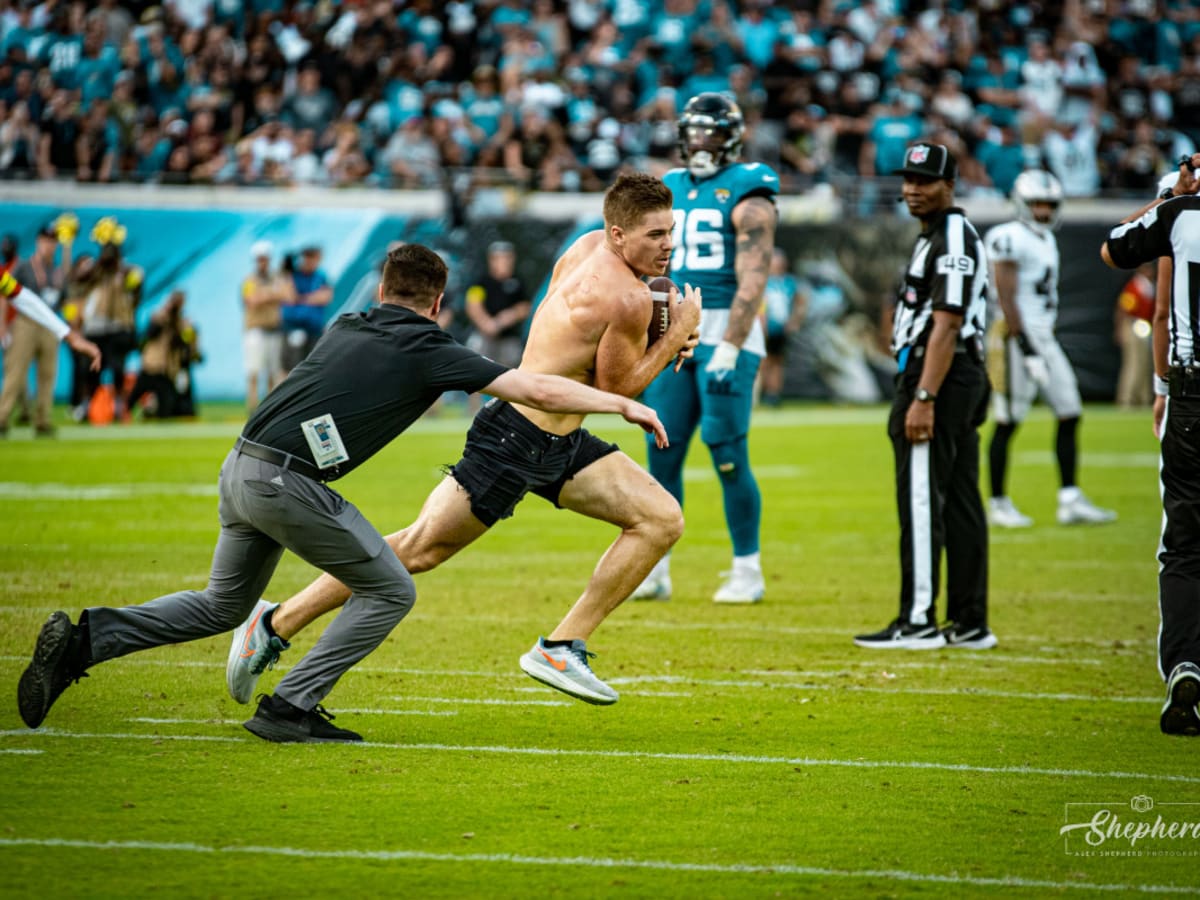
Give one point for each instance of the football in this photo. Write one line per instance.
(660, 318)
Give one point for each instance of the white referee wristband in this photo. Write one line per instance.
(1161, 387)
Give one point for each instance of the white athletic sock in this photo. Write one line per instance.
(1069, 494)
(751, 562)
(662, 568)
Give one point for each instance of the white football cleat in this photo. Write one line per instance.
(1077, 509)
(1003, 514)
(656, 586)
(741, 586)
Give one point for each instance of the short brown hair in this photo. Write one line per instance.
(631, 197)
(413, 276)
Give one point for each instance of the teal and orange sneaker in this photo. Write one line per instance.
(565, 668)
(254, 650)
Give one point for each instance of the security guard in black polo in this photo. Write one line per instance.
(369, 377)
(941, 400)
(1170, 228)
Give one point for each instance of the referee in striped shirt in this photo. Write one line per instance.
(1170, 227)
(941, 400)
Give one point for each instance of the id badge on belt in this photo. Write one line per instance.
(324, 441)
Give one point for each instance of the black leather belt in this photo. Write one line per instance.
(284, 460)
(1183, 381)
(970, 347)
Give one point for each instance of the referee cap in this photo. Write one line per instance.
(261, 248)
(930, 160)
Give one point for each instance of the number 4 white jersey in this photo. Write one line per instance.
(1036, 256)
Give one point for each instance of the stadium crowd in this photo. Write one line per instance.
(560, 94)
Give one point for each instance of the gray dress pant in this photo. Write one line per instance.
(264, 509)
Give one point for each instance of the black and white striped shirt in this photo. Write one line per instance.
(1169, 229)
(948, 270)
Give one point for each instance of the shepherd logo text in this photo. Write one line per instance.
(1180, 823)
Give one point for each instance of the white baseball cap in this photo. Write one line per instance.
(261, 248)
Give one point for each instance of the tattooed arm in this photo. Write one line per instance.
(754, 224)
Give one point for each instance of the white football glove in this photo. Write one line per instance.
(721, 368)
(1037, 370)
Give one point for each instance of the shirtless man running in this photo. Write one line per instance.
(591, 328)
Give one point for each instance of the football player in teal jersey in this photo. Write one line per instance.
(724, 234)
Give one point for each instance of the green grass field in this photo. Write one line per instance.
(755, 752)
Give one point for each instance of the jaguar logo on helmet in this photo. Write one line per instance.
(710, 133)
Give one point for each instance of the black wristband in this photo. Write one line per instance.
(1167, 193)
(1023, 342)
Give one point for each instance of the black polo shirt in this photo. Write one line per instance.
(375, 373)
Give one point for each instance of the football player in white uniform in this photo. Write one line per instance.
(1026, 358)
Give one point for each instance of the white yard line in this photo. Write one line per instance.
(147, 720)
(473, 859)
(883, 666)
(483, 702)
(51, 490)
(672, 694)
(400, 712)
(949, 692)
(735, 758)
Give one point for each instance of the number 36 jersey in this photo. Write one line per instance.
(705, 240)
(1036, 256)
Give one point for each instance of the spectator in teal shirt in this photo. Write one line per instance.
(1003, 156)
(895, 126)
(96, 72)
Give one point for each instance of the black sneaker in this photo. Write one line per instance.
(977, 638)
(279, 721)
(1179, 714)
(54, 667)
(903, 636)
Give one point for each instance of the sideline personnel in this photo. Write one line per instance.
(369, 377)
(941, 400)
(1171, 228)
(29, 304)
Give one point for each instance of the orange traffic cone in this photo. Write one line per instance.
(100, 408)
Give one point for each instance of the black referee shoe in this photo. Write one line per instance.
(903, 636)
(55, 664)
(279, 721)
(977, 638)
(1179, 714)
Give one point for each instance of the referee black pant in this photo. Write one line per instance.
(937, 497)
(1179, 549)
